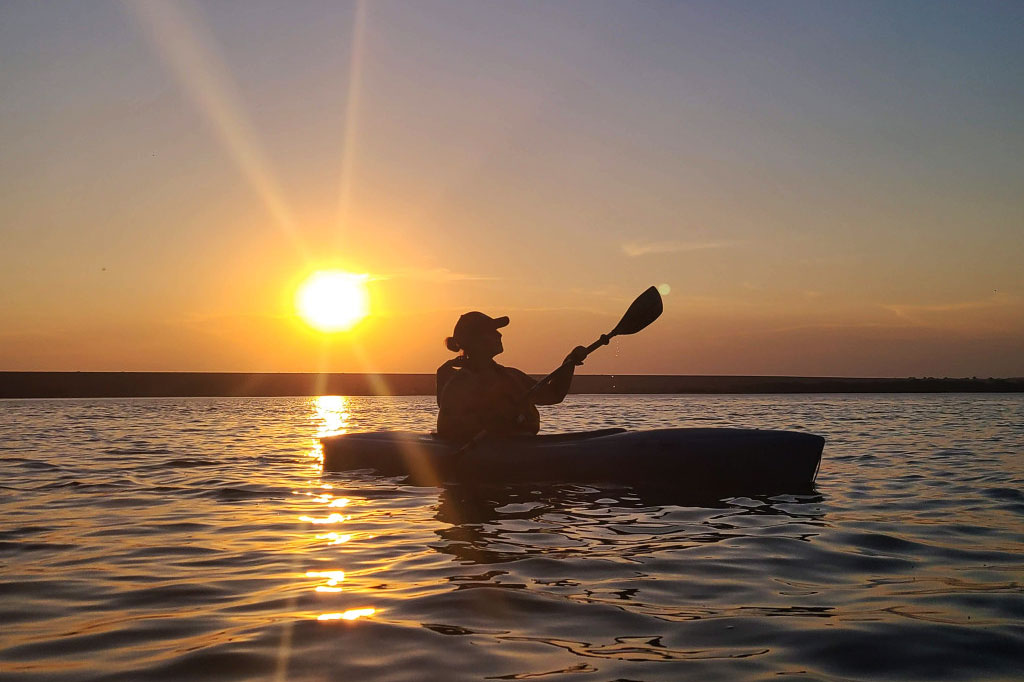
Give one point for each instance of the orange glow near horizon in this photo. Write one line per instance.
(333, 300)
(265, 161)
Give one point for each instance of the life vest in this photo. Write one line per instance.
(498, 399)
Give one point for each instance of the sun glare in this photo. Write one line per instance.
(332, 300)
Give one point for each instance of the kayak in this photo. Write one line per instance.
(692, 459)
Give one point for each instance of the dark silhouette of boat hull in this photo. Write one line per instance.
(724, 460)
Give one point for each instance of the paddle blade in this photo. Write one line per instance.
(644, 310)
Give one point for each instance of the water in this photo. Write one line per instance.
(168, 539)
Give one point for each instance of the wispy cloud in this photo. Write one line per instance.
(433, 275)
(914, 312)
(634, 249)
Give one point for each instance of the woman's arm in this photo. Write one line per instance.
(554, 391)
(446, 373)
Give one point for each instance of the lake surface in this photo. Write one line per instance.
(173, 539)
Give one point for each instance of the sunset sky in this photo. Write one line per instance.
(823, 188)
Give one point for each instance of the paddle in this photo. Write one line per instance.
(645, 309)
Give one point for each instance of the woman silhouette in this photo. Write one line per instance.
(477, 394)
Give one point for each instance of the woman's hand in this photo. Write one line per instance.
(446, 372)
(576, 356)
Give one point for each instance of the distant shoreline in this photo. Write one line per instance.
(246, 384)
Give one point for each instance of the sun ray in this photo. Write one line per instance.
(355, 75)
(180, 38)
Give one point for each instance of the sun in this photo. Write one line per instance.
(333, 300)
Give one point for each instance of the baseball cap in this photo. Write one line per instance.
(474, 322)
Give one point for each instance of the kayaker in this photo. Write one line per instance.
(475, 393)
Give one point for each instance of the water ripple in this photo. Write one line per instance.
(166, 539)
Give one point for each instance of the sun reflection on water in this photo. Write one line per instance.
(332, 580)
(331, 414)
(351, 614)
(333, 518)
(335, 538)
(330, 417)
